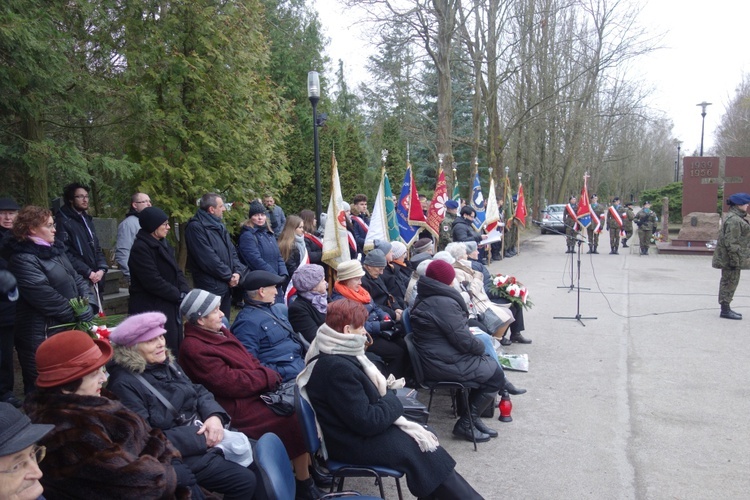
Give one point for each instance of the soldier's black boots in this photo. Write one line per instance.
(625, 244)
(595, 247)
(591, 249)
(570, 249)
(644, 251)
(727, 313)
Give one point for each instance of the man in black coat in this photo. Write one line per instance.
(212, 257)
(75, 228)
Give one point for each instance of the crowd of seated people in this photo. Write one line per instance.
(157, 408)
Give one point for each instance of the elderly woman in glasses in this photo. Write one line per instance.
(98, 448)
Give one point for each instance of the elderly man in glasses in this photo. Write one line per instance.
(127, 230)
(20, 455)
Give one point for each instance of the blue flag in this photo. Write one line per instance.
(408, 232)
(478, 203)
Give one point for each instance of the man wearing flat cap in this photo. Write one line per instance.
(20, 455)
(264, 329)
(732, 253)
(646, 221)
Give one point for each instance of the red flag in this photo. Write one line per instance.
(521, 212)
(436, 212)
(584, 208)
(416, 215)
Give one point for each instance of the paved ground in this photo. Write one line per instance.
(651, 400)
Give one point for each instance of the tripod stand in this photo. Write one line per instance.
(571, 287)
(578, 316)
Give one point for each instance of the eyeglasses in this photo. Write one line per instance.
(37, 454)
(81, 197)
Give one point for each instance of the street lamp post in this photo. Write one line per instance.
(703, 106)
(678, 143)
(313, 93)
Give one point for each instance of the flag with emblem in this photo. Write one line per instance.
(583, 214)
(407, 231)
(436, 212)
(521, 212)
(379, 229)
(478, 202)
(492, 215)
(336, 238)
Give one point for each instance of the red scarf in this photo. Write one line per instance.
(362, 296)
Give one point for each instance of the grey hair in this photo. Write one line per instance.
(208, 200)
(457, 250)
(444, 256)
(422, 267)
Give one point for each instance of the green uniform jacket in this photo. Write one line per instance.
(446, 227)
(627, 219)
(733, 246)
(646, 221)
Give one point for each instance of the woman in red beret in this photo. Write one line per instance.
(98, 448)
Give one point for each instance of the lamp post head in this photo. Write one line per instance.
(703, 106)
(313, 86)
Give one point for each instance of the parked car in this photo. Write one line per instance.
(552, 219)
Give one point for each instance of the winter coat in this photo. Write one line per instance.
(276, 219)
(473, 283)
(384, 296)
(447, 348)
(360, 228)
(237, 379)
(157, 284)
(46, 283)
(189, 399)
(304, 318)
(76, 231)
(7, 307)
(374, 315)
(265, 332)
(259, 251)
(733, 245)
(212, 257)
(462, 230)
(396, 278)
(314, 249)
(100, 449)
(357, 425)
(126, 232)
(646, 221)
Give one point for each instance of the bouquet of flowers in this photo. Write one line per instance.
(510, 288)
(97, 326)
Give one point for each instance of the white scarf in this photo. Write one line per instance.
(329, 341)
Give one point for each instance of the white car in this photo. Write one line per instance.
(552, 219)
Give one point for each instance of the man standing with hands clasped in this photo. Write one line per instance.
(212, 257)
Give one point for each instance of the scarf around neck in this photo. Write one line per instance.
(317, 299)
(362, 296)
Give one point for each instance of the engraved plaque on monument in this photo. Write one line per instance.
(700, 184)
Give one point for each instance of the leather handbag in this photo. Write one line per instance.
(281, 401)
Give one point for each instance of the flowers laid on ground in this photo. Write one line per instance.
(508, 287)
(99, 327)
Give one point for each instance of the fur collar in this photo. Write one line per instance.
(14, 246)
(130, 359)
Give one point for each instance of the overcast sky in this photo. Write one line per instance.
(704, 57)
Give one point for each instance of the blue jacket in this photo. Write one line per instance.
(266, 333)
(260, 252)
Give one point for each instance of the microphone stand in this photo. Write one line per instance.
(578, 316)
(571, 287)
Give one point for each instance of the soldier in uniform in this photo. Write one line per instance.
(732, 253)
(570, 222)
(627, 223)
(646, 221)
(614, 224)
(593, 234)
(451, 208)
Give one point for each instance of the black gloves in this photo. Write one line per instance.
(7, 283)
(185, 476)
(86, 316)
(386, 325)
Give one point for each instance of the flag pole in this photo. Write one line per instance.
(518, 236)
(505, 210)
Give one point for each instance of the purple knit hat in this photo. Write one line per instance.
(307, 277)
